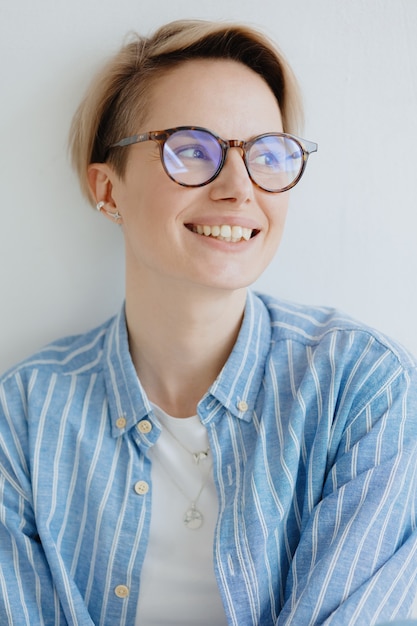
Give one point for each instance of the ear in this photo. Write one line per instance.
(100, 180)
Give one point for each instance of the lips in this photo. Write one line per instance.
(224, 232)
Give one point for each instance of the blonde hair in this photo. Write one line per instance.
(117, 101)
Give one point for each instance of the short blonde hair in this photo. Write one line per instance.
(116, 102)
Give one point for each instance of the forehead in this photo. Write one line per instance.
(219, 94)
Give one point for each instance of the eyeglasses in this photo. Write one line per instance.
(193, 156)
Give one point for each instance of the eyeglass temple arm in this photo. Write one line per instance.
(309, 146)
(128, 141)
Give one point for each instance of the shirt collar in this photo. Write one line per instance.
(238, 384)
(128, 402)
(236, 387)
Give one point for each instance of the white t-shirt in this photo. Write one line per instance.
(178, 585)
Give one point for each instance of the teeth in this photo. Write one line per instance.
(236, 232)
(224, 232)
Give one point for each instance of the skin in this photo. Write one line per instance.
(185, 292)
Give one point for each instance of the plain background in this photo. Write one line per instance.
(351, 234)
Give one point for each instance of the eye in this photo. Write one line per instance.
(192, 152)
(262, 158)
(297, 154)
(267, 159)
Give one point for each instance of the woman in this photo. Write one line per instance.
(208, 456)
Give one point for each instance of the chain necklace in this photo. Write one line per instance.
(193, 518)
(201, 455)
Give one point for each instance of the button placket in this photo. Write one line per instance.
(125, 515)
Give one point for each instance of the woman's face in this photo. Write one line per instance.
(160, 218)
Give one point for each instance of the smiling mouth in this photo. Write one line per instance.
(224, 232)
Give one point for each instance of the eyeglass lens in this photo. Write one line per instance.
(193, 157)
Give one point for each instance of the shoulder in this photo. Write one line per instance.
(323, 353)
(66, 356)
(315, 326)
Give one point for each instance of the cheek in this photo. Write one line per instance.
(150, 213)
(277, 213)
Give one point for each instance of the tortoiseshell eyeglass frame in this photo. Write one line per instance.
(161, 136)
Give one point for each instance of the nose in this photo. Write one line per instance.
(233, 183)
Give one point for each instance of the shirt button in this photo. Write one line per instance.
(121, 591)
(141, 487)
(121, 422)
(242, 405)
(144, 426)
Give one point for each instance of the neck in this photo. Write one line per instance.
(180, 339)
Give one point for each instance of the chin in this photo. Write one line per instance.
(227, 282)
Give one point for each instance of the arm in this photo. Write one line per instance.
(356, 562)
(27, 593)
(35, 589)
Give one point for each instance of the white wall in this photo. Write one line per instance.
(351, 235)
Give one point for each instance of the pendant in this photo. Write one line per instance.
(200, 456)
(193, 519)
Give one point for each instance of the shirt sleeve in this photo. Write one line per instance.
(27, 592)
(356, 561)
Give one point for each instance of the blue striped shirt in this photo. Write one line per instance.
(313, 428)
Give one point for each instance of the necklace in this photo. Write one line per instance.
(201, 455)
(193, 518)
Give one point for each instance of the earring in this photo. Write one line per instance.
(116, 215)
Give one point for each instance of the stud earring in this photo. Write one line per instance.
(116, 215)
